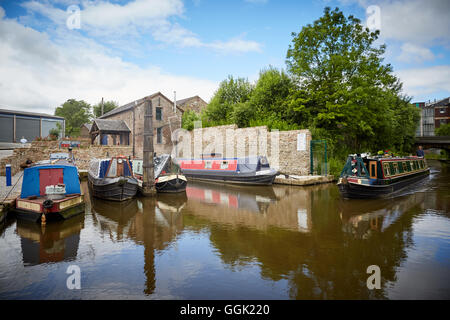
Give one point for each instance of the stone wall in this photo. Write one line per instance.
(281, 147)
(170, 121)
(41, 150)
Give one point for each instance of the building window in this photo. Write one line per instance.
(158, 135)
(158, 113)
(442, 110)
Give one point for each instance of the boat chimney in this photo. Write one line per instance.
(175, 102)
(148, 184)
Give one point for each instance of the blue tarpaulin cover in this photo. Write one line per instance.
(31, 180)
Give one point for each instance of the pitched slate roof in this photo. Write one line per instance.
(88, 126)
(183, 101)
(131, 105)
(111, 125)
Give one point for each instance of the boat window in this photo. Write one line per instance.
(397, 167)
(392, 168)
(405, 168)
(417, 164)
(408, 165)
(422, 163)
(224, 165)
(208, 164)
(386, 169)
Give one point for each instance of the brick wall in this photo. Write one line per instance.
(279, 146)
(41, 150)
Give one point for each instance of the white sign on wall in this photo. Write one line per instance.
(301, 142)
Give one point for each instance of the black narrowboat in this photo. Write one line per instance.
(168, 176)
(380, 176)
(253, 170)
(112, 179)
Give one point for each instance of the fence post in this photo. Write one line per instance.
(8, 175)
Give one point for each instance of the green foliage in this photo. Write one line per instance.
(231, 91)
(345, 92)
(188, 119)
(76, 113)
(443, 130)
(107, 107)
(54, 133)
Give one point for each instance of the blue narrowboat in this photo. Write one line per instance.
(50, 191)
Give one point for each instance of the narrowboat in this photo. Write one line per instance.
(50, 191)
(112, 179)
(254, 170)
(168, 177)
(366, 176)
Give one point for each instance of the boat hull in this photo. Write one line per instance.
(233, 178)
(362, 191)
(171, 184)
(114, 189)
(55, 213)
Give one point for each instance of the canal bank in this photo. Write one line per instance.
(225, 242)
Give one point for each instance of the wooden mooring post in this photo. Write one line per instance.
(148, 185)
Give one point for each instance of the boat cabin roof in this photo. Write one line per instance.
(37, 177)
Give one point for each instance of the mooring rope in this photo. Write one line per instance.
(13, 187)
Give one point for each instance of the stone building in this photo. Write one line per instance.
(85, 129)
(166, 119)
(194, 103)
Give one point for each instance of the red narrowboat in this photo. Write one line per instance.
(247, 170)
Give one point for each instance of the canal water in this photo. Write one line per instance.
(222, 242)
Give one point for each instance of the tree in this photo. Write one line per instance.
(189, 118)
(344, 88)
(76, 113)
(231, 91)
(443, 130)
(107, 106)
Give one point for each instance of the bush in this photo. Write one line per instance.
(443, 130)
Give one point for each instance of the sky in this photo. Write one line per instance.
(51, 51)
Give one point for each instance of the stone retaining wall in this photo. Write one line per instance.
(281, 147)
(41, 150)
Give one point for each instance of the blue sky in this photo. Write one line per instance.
(124, 50)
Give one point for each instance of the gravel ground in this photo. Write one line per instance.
(5, 153)
(4, 189)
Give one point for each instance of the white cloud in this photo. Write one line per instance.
(421, 82)
(37, 73)
(414, 53)
(114, 23)
(413, 21)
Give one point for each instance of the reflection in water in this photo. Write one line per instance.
(256, 198)
(362, 218)
(222, 242)
(54, 242)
